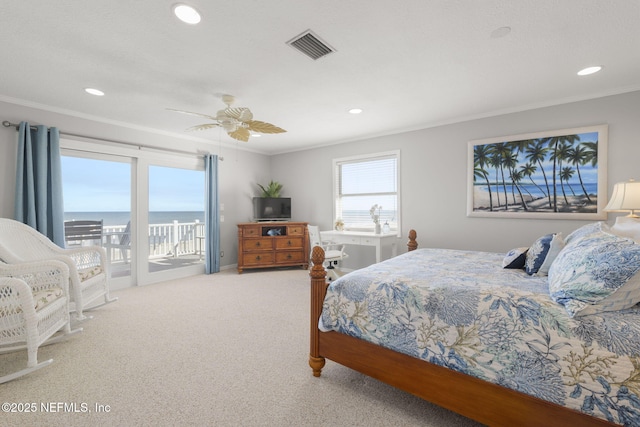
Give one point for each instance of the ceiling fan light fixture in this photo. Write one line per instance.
(186, 14)
(229, 125)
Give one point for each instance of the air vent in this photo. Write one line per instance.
(311, 45)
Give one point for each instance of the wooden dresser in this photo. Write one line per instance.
(272, 244)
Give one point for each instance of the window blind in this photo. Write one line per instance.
(362, 183)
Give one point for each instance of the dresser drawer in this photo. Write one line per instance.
(252, 231)
(285, 257)
(252, 259)
(289, 243)
(250, 245)
(295, 230)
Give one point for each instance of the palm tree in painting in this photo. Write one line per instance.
(528, 170)
(516, 177)
(494, 162)
(536, 153)
(559, 146)
(580, 155)
(561, 153)
(591, 153)
(565, 175)
(510, 161)
(481, 158)
(501, 151)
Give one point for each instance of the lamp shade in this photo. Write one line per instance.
(625, 197)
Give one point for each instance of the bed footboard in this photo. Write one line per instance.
(318, 292)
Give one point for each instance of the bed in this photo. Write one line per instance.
(503, 346)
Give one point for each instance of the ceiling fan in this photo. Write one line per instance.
(236, 121)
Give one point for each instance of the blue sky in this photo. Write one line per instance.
(104, 186)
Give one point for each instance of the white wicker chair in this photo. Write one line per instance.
(87, 265)
(34, 306)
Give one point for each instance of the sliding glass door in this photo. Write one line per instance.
(151, 205)
(100, 190)
(176, 218)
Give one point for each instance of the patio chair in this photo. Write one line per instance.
(119, 240)
(87, 265)
(34, 310)
(82, 232)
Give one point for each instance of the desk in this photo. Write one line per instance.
(363, 239)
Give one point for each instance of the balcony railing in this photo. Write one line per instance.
(173, 240)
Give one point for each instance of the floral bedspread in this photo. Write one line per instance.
(462, 310)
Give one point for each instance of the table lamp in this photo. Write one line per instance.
(626, 197)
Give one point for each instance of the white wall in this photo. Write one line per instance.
(434, 174)
(239, 172)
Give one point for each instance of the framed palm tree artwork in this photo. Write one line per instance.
(554, 174)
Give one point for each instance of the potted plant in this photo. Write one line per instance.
(272, 190)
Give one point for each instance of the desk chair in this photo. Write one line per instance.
(333, 252)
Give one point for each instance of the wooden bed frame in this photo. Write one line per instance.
(480, 400)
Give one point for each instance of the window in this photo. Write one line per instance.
(362, 182)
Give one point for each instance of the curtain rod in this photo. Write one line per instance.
(8, 124)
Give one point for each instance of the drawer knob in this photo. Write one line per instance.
(258, 258)
(258, 244)
(289, 243)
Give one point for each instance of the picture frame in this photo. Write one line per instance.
(522, 169)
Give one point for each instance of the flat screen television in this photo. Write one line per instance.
(272, 208)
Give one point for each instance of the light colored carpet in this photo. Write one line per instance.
(218, 350)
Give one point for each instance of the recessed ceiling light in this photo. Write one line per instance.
(92, 91)
(500, 32)
(186, 14)
(589, 70)
(355, 111)
(255, 135)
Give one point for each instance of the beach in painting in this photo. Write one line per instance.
(536, 202)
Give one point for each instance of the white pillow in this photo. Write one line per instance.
(595, 273)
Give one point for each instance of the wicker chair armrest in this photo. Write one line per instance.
(87, 257)
(39, 275)
(16, 296)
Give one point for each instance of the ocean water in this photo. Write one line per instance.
(535, 191)
(121, 218)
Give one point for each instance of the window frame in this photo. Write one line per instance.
(337, 185)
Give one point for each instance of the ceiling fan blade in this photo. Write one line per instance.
(203, 127)
(241, 114)
(193, 114)
(241, 134)
(264, 127)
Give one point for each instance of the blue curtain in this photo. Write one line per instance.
(212, 215)
(38, 197)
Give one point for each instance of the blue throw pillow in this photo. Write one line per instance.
(515, 258)
(541, 254)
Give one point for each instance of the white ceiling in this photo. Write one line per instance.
(408, 64)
